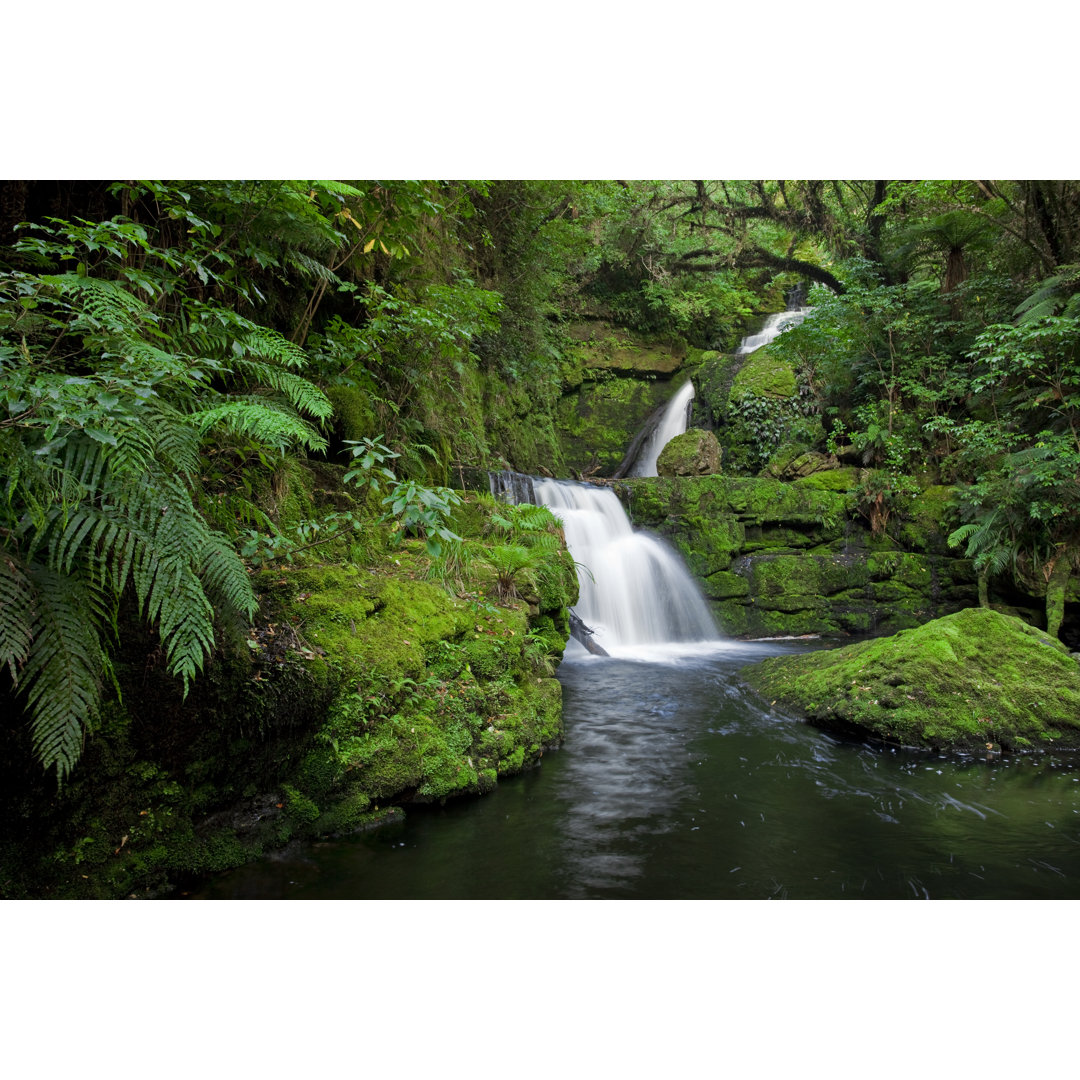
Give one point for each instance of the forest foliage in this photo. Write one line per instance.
(169, 350)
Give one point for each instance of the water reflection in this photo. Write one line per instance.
(675, 783)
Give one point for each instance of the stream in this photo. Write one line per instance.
(674, 783)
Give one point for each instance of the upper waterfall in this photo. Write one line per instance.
(771, 329)
(673, 421)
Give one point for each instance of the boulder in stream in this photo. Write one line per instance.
(694, 453)
(974, 681)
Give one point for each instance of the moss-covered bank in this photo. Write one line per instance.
(975, 680)
(363, 685)
(798, 558)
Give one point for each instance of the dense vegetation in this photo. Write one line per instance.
(203, 382)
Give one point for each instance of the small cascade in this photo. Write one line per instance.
(635, 593)
(774, 325)
(673, 421)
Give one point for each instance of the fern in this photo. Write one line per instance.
(114, 399)
(270, 345)
(304, 396)
(62, 672)
(16, 603)
(254, 419)
(312, 268)
(1055, 295)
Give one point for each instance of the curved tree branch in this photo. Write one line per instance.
(753, 259)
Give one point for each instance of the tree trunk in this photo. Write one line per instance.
(984, 588)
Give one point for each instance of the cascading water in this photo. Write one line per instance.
(635, 594)
(674, 421)
(772, 328)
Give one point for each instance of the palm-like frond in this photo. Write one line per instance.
(16, 605)
(1059, 294)
(252, 418)
(303, 395)
(62, 672)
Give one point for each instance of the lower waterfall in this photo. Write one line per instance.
(636, 595)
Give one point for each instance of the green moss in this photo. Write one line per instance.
(962, 681)
(693, 453)
(598, 422)
(929, 519)
(763, 375)
(845, 479)
(355, 417)
(601, 346)
(361, 685)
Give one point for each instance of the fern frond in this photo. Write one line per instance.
(225, 578)
(105, 305)
(175, 444)
(1053, 294)
(16, 602)
(964, 532)
(270, 345)
(185, 620)
(303, 395)
(312, 268)
(62, 673)
(257, 420)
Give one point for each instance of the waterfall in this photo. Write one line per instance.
(635, 593)
(674, 421)
(774, 324)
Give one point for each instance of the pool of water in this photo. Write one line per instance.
(674, 782)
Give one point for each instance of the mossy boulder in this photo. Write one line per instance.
(971, 681)
(797, 464)
(764, 375)
(693, 453)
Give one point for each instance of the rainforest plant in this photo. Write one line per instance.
(121, 362)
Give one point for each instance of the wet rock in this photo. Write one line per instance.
(694, 453)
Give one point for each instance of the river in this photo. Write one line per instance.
(675, 783)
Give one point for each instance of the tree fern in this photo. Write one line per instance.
(303, 395)
(254, 419)
(61, 673)
(1055, 295)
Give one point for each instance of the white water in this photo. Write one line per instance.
(773, 327)
(636, 595)
(673, 422)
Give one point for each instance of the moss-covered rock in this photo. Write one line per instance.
(776, 558)
(693, 453)
(359, 685)
(597, 422)
(971, 681)
(764, 375)
(799, 464)
(601, 346)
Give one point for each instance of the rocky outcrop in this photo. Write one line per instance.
(613, 381)
(776, 558)
(694, 453)
(976, 680)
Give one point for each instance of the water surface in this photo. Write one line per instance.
(674, 782)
